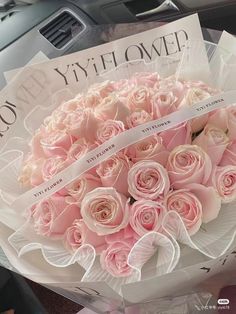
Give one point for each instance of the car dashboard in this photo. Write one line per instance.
(60, 27)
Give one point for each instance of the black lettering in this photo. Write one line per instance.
(133, 48)
(6, 119)
(109, 61)
(169, 44)
(83, 68)
(63, 74)
(95, 67)
(181, 36)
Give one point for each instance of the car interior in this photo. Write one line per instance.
(58, 27)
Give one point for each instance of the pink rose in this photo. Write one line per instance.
(53, 216)
(31, 172)
(179, 135)
(146, 216)
(79, 123)
(151, 148)
(72, 104)
(103, 211)
(35, 143)
(55, 122)
(80, 187)
(188, 206)
(138, 117)
(202, 86)
(52, 166)
(92, 99)
(123, 87)
(115, 258)
(56, 144)
(148, 180)
(109, 129)
(232, 122)
(147, 79)
(172, 85)
(163, 103)
(127, 233)
(188, 164)
(224, 181)
(104, 89)
(114, 172)
(229, 156)
(140, 98)
(219, 119)
(210, 200)
(79, 149)
(213, 141)
(194, 96)
(78, 234)
(112, 108)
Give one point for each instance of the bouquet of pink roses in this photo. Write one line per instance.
(183, 174)
(119, 178)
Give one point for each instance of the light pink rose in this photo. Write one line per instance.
(92, 99)
(53, 216)
(188, 206)
(201, 85)
(140, 99)
(219, 119)
(78, 124)
(80, 187)
(138, 117)
(232, 122)
(112, 108)
(179, 135)
(229, 156)
(151, 148)
(193, 96)
(114, 172)
(79, 234)
(109, 129)
(163, 103)
(146, 216)
(72, 104)
(210, 200)
(147, 79)
(213, 141)
(78, 149)
(224, 181)
(35, 143)
(55, 122)
(52, 166)
(148, 180)
(127, 233)
(115, 258)
(188, 164)
(31, 172)
(103, 211)
(123, 87)
(174, 86)
(104, 89)
(56, 144)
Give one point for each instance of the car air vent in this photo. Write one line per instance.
(6, 16)
(61, 30)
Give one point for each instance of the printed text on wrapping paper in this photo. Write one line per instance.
(166, 45)
(8, 117)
